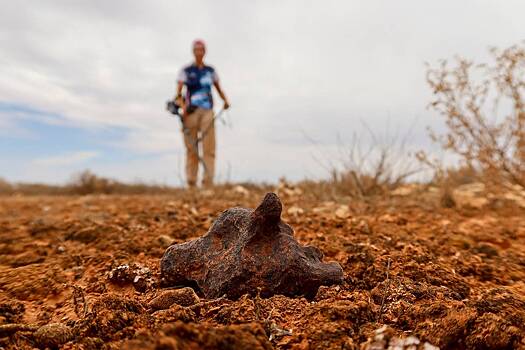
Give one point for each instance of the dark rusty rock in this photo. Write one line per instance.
(246, 251)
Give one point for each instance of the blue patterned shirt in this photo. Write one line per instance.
(199, 82)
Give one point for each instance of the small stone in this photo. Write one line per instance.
(241, 190)
(183, 297)
(470, 195)
(428, 346)
(342, 212)
(140, 284)
(53, 335)
(176, 313)
(287, 189)
(165, 240)
(136, 274)
(207, 193)
(406, 190)
(411, 340)
(295, 211)
(121, 275)
(85, 235)
(393, 219)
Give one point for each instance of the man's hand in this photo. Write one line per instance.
(222, 95)
(179, 100)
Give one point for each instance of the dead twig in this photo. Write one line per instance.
(256, 304)
(79, 301)
(385, 291)
(197, 307)
(273, 331)
(11, 328)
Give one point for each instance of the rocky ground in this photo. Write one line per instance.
(83, 273)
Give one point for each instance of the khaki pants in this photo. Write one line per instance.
(199, 124)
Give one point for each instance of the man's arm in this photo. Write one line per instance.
(221, 94)
(178, 94)
(181, 79)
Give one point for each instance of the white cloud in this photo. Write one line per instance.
(66, 159)
(288, 67)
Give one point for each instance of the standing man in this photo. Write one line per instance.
(198, 117)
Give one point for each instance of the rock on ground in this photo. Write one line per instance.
(249, 251)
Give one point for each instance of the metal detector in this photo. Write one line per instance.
(176, 110)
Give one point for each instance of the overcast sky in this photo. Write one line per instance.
(83, 83)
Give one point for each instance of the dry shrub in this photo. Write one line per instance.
(85, 183)
(380, 168)
(461, 175)
(36, 189)
(88, 183)
(450, 178)
(5, 187)
(368, 166)
(484, 110)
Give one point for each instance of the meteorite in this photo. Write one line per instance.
(249, 251)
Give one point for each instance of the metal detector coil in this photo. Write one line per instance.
(173, 108)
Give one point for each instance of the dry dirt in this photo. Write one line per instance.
(88, 268)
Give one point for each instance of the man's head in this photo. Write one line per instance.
(199, 50)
